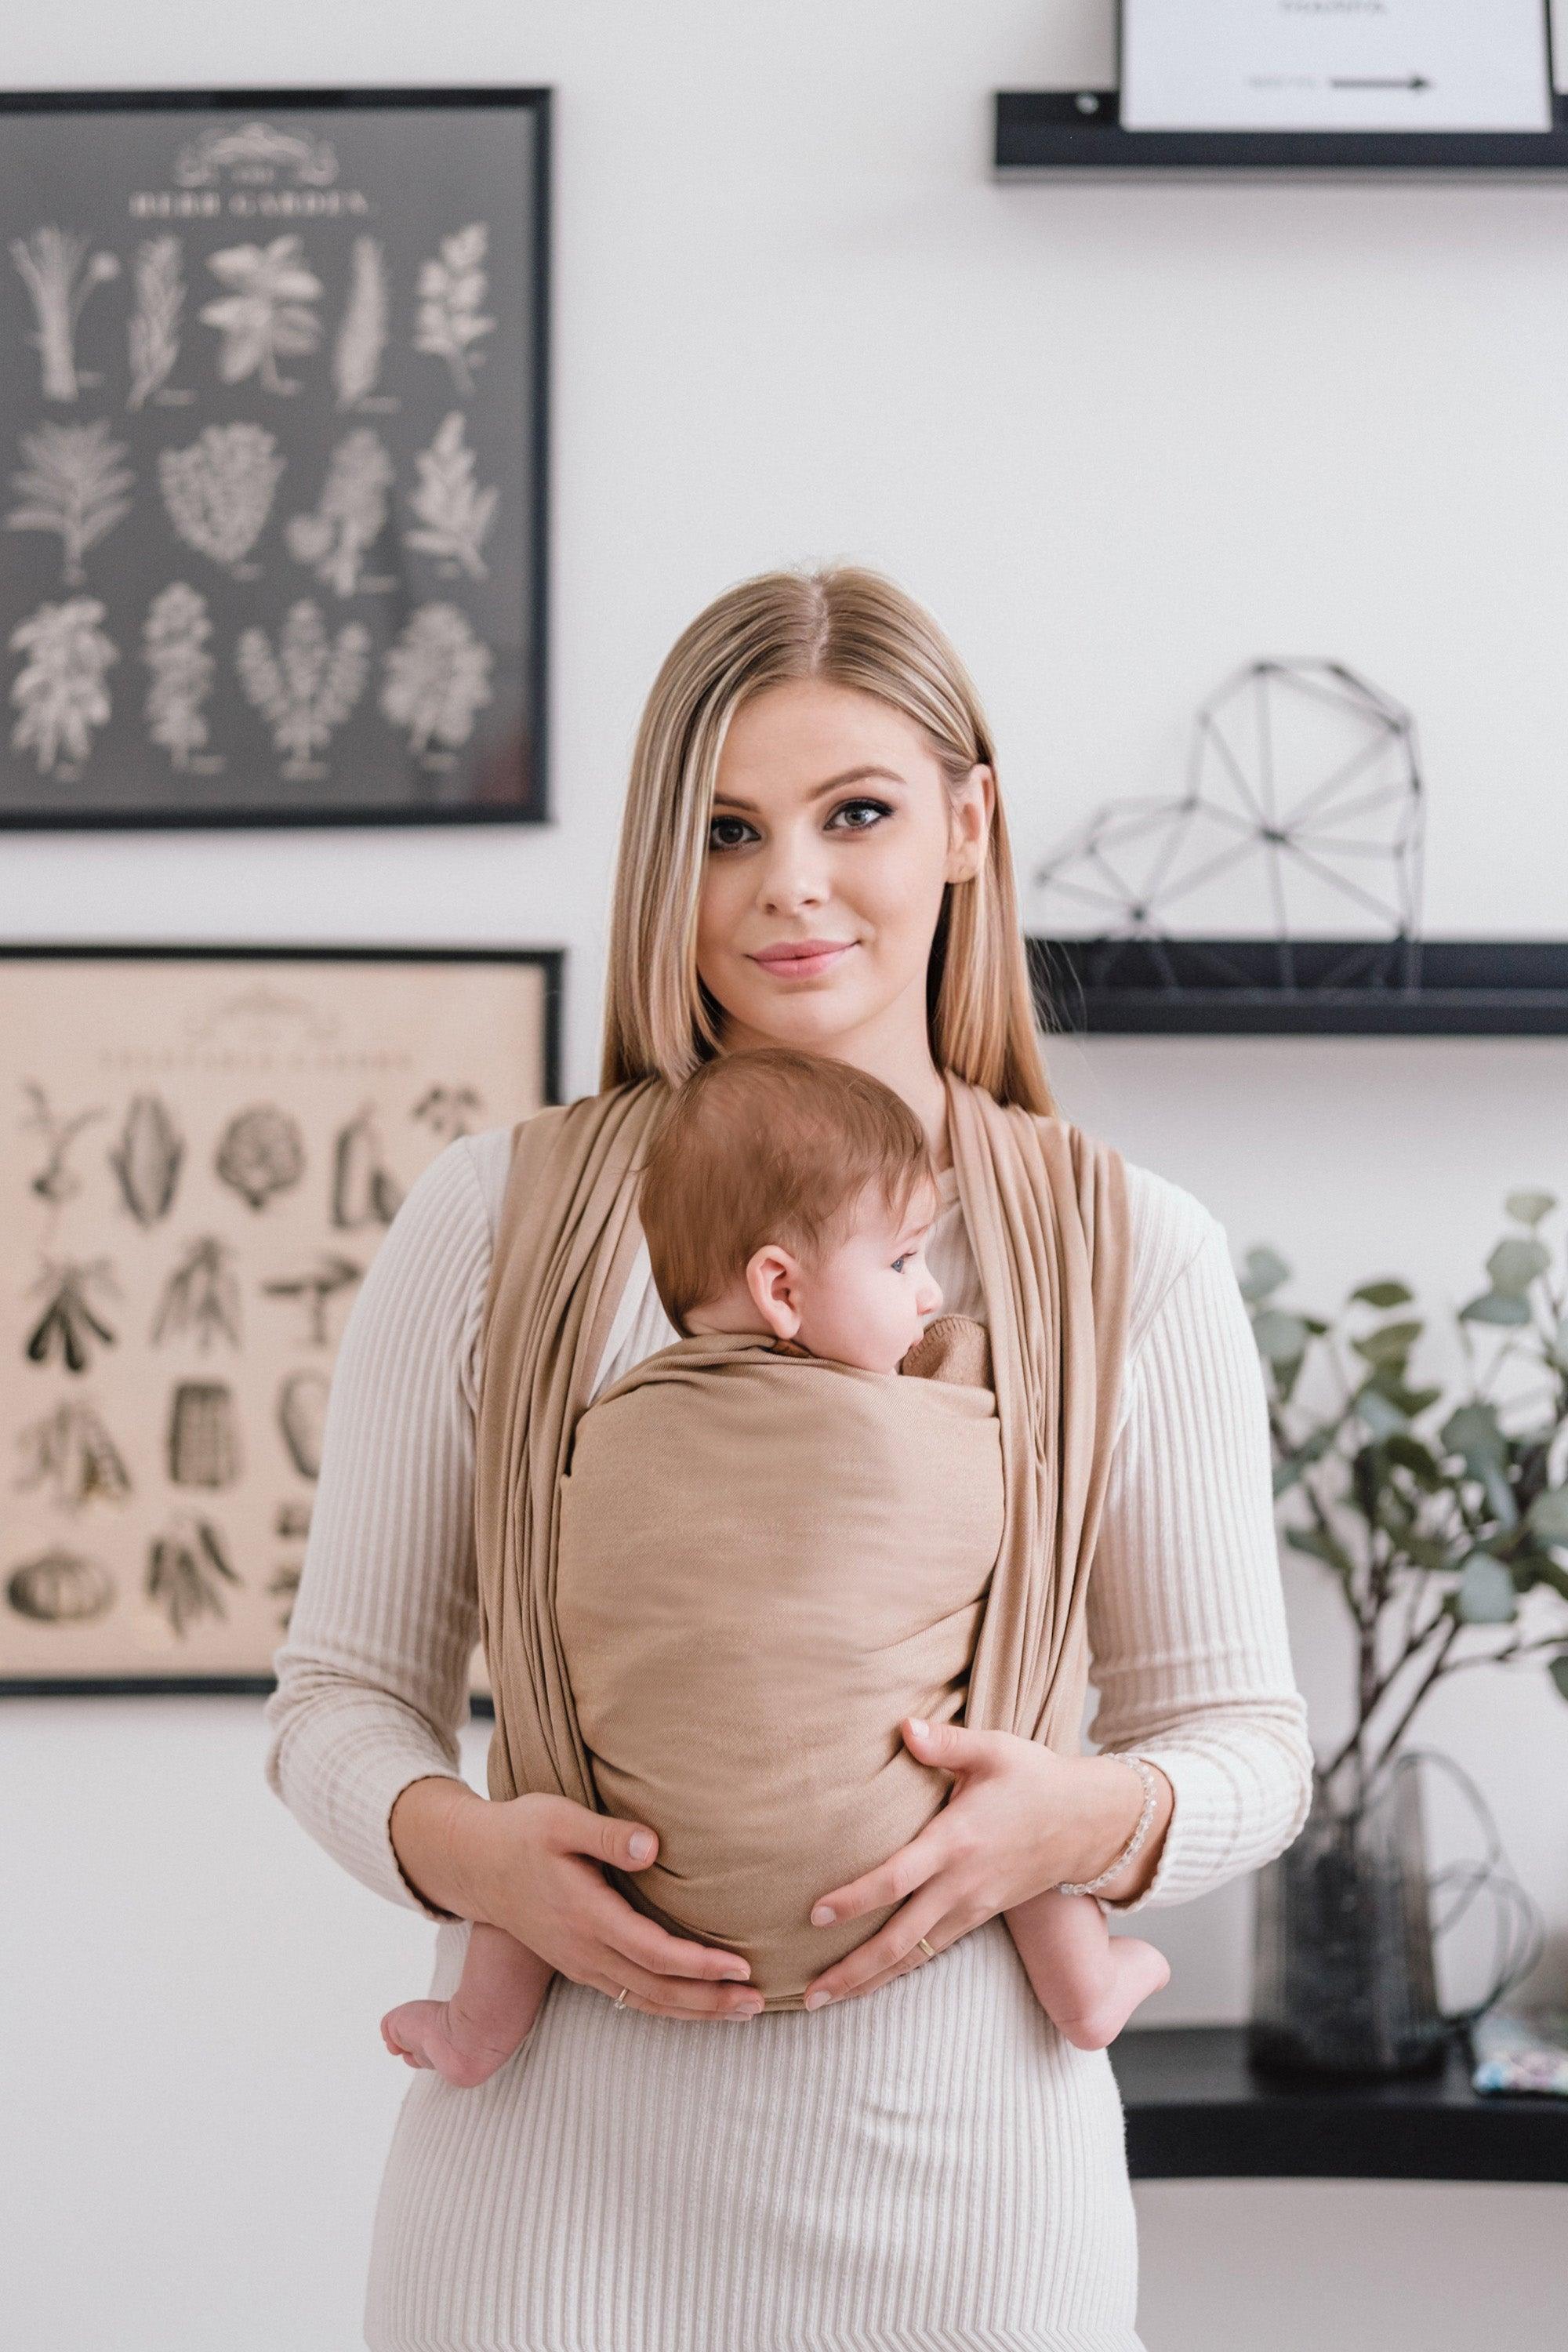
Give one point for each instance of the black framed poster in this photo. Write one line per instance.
(201, 1152)
(273, 375)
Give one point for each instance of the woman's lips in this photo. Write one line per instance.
(802, 958)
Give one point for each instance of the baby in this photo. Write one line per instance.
(826, 1214)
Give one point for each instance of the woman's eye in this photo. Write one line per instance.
(863, 814)
(726, 832)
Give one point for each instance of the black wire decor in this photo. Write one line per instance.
(1304, 791)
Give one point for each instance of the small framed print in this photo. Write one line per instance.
(1336, 65)
(273, 380)
(201, 1152)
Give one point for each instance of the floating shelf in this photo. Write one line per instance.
(1057, 133)
(1196, 2111)
(1335, 988)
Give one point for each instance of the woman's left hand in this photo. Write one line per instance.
(1019, 1818)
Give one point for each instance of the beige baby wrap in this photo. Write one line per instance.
(1046, 1209)
(767, 1559)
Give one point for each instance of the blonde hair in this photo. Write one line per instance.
(768, 1144)
(853, 628)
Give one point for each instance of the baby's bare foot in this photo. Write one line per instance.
(1137, 1970)
(430, 2033)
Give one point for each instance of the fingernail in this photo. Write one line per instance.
(818, 2000)
(642, 1845)
(821, 1914)
(918, 1726)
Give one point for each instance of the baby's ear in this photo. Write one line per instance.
(773, 1278)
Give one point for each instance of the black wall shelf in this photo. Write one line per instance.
(1062, 134)
(1344, 988)
(1196, 2111)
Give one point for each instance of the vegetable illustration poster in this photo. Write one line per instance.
(271, 385)
(200, 1156)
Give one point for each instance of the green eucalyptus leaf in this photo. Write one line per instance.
(1264, 1271)
(1321, 1547)
(1281, 1338)
(1548, 1516)
(1559, 1671)
(1529, 1207)
(1390, 1344)
(1514, 1265)
(1473, 1430)
(1431, 1553)
(1412, 1456)
(1486, 1595)
(1496, 1307)
(1381, 1417)
(1500, 1495)
(1384, 1293)
(1532, 1568)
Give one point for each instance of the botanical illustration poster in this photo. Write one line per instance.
(270, 387)
(200, 1155)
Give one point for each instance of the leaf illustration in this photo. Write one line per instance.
(451, 291)
(59, 689)
(351, 513)
(219, 491)
(73, 483)
(174, 639)
(154, 329)
(267, 317)
(454, 512)
(308, 687)
(362, 338)
(51, 265)
(436, 677)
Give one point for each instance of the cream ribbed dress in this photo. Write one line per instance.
(927, 2167)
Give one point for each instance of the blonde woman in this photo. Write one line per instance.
(814, 854)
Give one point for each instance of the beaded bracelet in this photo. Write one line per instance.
(1146, 1774)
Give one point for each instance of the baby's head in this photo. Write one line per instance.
(789, 1194)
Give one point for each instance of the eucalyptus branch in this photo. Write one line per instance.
(1438, 1667)
(1461, 1506)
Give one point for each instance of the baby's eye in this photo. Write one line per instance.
(900, 1263)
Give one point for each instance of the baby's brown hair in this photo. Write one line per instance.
(767, 1144)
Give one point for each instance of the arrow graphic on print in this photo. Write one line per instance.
(1406, 81)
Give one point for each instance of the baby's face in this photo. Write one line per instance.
(866, 1299)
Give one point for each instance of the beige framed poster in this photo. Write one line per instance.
(202, 1151)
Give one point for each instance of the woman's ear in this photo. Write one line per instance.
(969, 823)
(773, 1278)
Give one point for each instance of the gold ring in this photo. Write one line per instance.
(925, 1947)
(621, 1998)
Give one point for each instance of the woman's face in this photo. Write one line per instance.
(832, 837)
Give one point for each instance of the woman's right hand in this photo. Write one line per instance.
(533, 1865)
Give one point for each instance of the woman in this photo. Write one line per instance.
(814, 854)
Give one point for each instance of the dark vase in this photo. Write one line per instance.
(1343, 1976)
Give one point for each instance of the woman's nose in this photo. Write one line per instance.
(791, 878)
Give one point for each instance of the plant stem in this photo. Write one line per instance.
(1438, 1668)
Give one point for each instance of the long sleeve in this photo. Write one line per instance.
(1185, 1610)
(372, 1676)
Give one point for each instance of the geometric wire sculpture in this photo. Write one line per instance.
(1302, 771)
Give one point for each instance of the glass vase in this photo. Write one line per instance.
(1343, 1976)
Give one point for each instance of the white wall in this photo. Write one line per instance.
(1120, 439)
